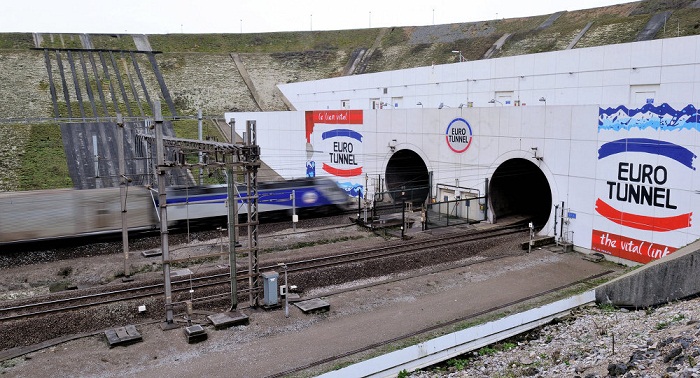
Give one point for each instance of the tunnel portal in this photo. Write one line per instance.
(519, 188)
(406, 172)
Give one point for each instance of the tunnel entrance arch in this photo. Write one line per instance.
(518, 187)
(406, 171)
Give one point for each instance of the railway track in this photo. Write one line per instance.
(108, 243)
(220, 281)
(446, 240)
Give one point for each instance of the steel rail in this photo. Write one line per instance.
(294, 266)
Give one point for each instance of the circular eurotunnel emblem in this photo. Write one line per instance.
(458, 135)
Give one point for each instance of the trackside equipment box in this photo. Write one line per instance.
(270, 290)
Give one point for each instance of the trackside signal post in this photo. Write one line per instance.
(123, 190)
(214, 155)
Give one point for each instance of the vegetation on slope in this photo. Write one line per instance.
(16, 41)
(200, 73)
(264, 42)
(43, 164)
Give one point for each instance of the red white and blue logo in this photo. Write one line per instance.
(342, 159)
(647, 170)
(646, 187)
(334, 144)
(458, 135)
(641, 182)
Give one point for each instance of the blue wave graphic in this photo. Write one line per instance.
(648, 146)
(662, 117)
(351, 189)
(342, 133)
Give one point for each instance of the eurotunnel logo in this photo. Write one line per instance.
(343, 153)
(458, 135)
(341, 147)
(637, 182)
(645, 190)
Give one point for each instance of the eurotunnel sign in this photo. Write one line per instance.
(458, 135)
(644, 193)
(334, 143)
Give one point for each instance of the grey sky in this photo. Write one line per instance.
(235, 16)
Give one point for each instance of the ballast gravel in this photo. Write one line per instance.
(595, 341)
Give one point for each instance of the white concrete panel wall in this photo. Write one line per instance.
(568, 143)
(275, 133)
(571, 77)
(591, 59)
(642, 58)
(511, 131)
(376, 143)
(588, 79)
(645, 75)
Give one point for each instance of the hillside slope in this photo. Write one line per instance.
(200, 71)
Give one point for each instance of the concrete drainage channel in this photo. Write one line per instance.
(445, 347)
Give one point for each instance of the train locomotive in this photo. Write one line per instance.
(62, 213)
(311, 196)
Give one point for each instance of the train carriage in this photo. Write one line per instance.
(317, 195)
(60, 213)
(50, 214)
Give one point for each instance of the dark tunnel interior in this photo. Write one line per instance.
(518, 187)
(406, 172)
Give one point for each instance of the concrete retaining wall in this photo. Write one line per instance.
(670, 278)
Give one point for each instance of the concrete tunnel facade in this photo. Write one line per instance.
(602, 141)
(624, 192)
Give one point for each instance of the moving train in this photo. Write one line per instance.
(51, 214)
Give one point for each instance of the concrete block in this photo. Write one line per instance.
(667, 279)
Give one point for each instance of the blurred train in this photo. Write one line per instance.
(51, 214)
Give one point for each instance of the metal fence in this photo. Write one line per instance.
(410, 207)
(455, 212)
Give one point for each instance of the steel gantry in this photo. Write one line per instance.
(234, 158)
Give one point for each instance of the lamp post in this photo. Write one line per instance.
(419, 103)
(493, 101)
(461, 57)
